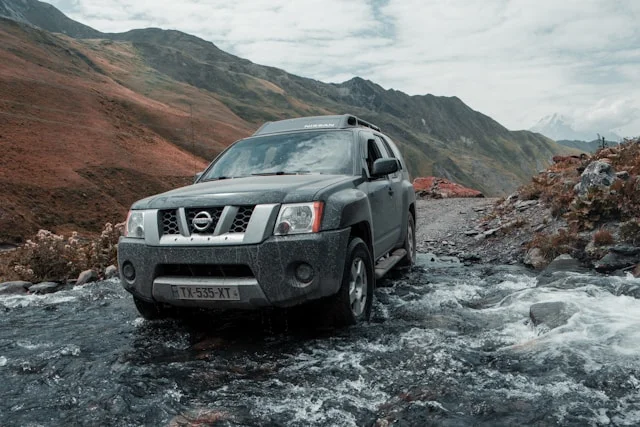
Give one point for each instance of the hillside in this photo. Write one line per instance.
(108, 118)
(586, 146)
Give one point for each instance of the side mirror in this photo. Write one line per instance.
(382, 167)
(197, 177)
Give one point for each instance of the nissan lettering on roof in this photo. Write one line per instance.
(319, 125)
(302, 123)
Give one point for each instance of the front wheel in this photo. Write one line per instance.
(353, 301)
(151, 311)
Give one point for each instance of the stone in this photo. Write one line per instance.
(623, 175)
(86, 276)
(616, 261)
(45, 288)
(525, 204)
(471, 233)
(534, 258)
(562, 266)
(598, 174)
(110, 272)
(469, 257)
(636, 271)
(551, 314)
(627, 250)
(17, 287)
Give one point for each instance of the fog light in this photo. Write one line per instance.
(304, 273)
(128, 271)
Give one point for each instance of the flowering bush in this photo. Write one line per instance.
(49, 256)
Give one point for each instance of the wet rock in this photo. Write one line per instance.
(17, 287)
(551, 314)
(598, 174)
(534, 258)
(629, 289)
(636, 271)
(86, 276)
(619, 257)
(110, 272)
(562, 266)
(469, 257)
(45, 288)
(627, 250)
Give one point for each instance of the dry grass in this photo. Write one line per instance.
(603, 237)
(52, 257)
(553, 245)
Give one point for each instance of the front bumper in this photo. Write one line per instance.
(272, 264)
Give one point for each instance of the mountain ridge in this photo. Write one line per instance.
(154, 78)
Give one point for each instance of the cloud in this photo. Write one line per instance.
(515, 60)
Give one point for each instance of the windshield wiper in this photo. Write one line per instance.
(218, 178)
(281, 173)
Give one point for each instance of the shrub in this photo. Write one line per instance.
(553, 245)
(602, 237)
(49, 256)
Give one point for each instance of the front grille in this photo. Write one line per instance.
(242, 219)
(215, 216)
(205, 270)
(169, 221)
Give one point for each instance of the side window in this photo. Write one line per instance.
(374, 152)
(389, 150)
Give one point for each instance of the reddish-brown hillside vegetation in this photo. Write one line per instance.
(86, 129)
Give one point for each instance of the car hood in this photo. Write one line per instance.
(244, 191)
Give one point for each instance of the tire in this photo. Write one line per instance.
(409, 244)
(151, 311)
(352, 303)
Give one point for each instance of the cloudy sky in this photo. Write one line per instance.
(515, 60)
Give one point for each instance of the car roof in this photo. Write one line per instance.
(316, 122)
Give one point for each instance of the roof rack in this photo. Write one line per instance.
(315, 122)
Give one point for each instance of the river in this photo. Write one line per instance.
(447, 345)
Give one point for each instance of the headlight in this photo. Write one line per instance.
(135, 225)
(299, 218)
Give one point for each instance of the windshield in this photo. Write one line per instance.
(303, 152)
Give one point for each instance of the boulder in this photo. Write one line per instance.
(534, 258)
(636, 271)
(17, 287)
(551, 314)
(86, 276)
(45, 288)
(560, 267)
(441, 188)
(627, 250)
(619, 257)
(110, 272)
(598, 174)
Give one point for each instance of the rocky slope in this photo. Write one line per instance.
(585, 207)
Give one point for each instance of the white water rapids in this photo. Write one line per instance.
(447, 345)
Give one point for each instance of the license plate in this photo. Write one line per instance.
(210, 293)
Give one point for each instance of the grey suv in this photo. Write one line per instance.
(311, 209)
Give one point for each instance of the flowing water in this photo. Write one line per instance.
(448, 345)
